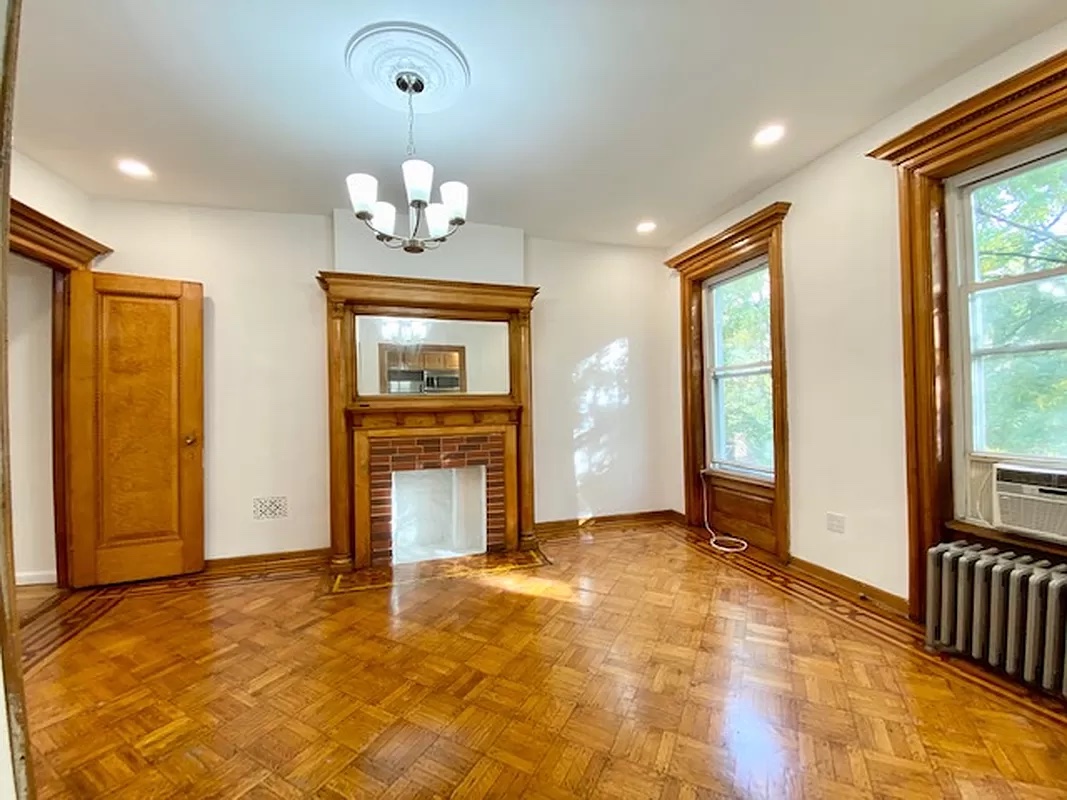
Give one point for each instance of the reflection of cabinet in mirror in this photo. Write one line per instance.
(422, 369)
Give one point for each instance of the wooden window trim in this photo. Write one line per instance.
(1023, 110)
(758, 235)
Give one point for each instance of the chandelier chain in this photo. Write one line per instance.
(411, 123)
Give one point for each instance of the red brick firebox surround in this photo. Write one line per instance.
(393, 454)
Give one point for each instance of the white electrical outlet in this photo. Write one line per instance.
(270, 507)
(835, 523)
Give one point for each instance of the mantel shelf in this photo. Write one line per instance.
(424, 403)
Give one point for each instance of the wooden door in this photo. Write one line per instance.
(134, 428)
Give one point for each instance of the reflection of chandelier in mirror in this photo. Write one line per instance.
(417, 61)
(404, 331)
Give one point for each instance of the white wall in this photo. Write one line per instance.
(843, 337)
(48, 193)
(607, 414)
(264, 358)
(479, 253)
(29, 332)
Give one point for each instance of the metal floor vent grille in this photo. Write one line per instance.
(270, 507)
(1005, 610)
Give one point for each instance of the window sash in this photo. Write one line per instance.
(967, 284)
(715, 374)
(718, 458)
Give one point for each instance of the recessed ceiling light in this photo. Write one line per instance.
(134, 168)
(768, 135)
(647, 226)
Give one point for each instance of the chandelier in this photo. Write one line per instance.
(429, 224)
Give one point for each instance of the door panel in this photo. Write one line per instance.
(136, 416)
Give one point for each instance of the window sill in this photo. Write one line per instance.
(720, 475)
(1050, 550)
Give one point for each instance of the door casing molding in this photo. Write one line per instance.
(62, 249)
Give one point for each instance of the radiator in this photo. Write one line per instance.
(1006, 610)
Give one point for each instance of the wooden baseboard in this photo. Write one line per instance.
(677, 517)
(639, 518)
(288, 558)
(849, 587)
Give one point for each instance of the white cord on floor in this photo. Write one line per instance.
(724, 544)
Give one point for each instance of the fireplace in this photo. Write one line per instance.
(386, 336)
(438, 513)
(390, 455)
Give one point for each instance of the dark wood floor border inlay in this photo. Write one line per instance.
(897, 631)
(46, 628)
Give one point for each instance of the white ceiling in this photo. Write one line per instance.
(583, 116)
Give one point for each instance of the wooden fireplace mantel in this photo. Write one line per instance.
(357, 422)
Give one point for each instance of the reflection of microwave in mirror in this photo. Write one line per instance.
(438, 380)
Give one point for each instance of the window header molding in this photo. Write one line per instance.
(738, 243)
(1025, 109)
(1017, 113)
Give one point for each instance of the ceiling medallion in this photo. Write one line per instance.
(380, 52)
(409, 61)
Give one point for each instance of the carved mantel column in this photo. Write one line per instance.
(340, 456)
(527, 540)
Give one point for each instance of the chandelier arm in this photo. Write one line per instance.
(384, 237)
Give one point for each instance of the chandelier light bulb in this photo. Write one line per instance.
(384, 218)
(418, 180)
(362, 192)
(437, 220)
(454, 199)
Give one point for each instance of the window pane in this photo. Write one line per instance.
(1022, 314)
(745, 434)
(742, 312)
(1020, 403)
(1020, 223)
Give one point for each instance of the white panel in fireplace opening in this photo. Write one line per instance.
(438, 513)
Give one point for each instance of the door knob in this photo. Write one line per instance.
(190, 439)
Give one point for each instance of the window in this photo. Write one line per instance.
(737, 367)
(1009, 319)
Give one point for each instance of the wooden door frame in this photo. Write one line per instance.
(1026, 109)
(757, 235)
(62, 249)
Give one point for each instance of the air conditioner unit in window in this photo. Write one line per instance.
(1031, 501)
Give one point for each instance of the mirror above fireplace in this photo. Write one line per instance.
(427, 356)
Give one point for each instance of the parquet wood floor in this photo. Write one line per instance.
(636, 665)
